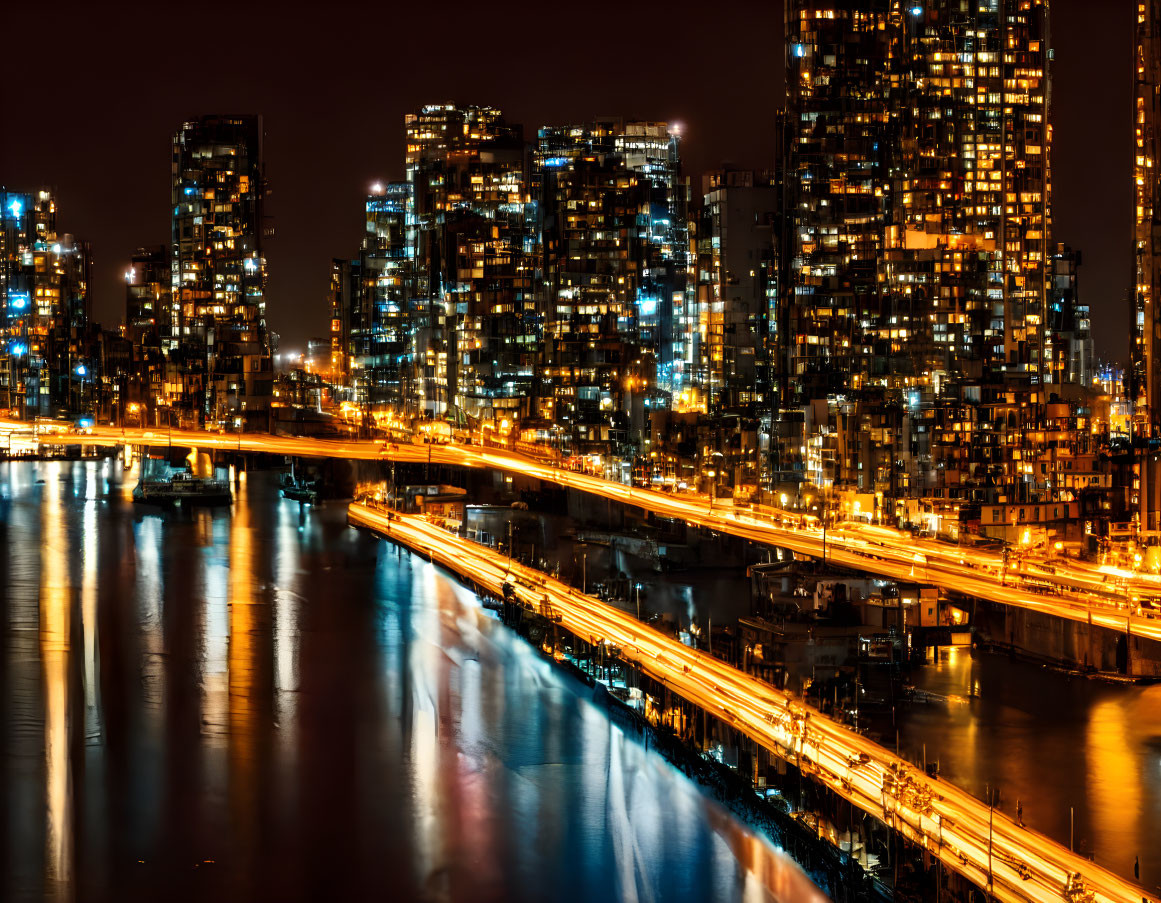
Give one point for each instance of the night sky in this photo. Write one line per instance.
(92, 97)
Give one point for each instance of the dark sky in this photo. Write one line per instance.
(91, 98)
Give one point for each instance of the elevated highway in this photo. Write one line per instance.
(987, 847)
(1107, 597)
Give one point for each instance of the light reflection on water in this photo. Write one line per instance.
(273, 706)
(1053, 742)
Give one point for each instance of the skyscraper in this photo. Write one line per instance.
(838, 83)
(1145, 323)
(148, 288)
(215, 326)
(969, 241)
(475, 339)
(921, 193)
(46, 366)
(379, 289)
(613, 260)
(1144, 375)
(737, 289)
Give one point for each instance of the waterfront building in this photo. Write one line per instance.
(148, 293)
(214, 328)
(473, 314)
(148, 290)
(46, 362)
(838, 127)
(383, 331)
(920, 185)
(918, 224)
(613, 268)
(1144, 375)
(735, 333)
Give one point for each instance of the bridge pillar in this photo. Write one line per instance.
(201, 464)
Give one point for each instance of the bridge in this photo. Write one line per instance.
(1076, 591)
(987, 847)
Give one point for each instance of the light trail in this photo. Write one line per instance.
(944, 820)
(1075, 591)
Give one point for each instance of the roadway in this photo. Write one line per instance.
(1105, 596)
(986, 846)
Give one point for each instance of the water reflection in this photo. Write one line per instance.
(55, 656)
(1051, 743)
(276, 707)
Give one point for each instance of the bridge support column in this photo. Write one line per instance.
(201, 464)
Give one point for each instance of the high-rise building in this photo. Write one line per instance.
(967, 250)
(1144, 373)
(46, 364)
(343, 298)
(215, 326)
(613, 266)
(1069, 327)
(476, 330)
(737, 289)
(382, 329)
(839, 124)
(148, 289)
(148, 293)
(1145, 323)
(919, 166)
(917, 217)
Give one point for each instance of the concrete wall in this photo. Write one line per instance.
(1071, 644)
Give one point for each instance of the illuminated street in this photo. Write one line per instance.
(1099, 596)
(988, 847)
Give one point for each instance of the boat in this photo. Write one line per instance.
(183, 489)
(299, 490)
(301, 493)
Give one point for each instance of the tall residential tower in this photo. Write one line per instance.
(215, 327)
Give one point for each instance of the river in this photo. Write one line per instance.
(1081, 757)
(261, 703)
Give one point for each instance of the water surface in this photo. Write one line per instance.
(261, 703)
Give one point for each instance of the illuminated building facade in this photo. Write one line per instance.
(838, 80)
(215, 326)
(475, 328)
(381, 283)
(1144, 376)
(968, 247)
(1145, 366)
(344, 297)
(613, 258)
(916, 166)
(46, 365)
(148, 289)
(735, 332)
(1069, 326)
(921, 192)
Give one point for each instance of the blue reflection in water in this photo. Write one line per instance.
(253, 704)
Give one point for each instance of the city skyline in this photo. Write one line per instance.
(413, 423)
(316, 216)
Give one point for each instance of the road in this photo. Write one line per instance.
(986, 846)
(1105, 596)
